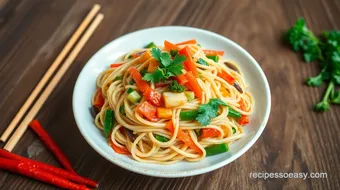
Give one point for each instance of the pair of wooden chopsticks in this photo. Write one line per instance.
(50, 87)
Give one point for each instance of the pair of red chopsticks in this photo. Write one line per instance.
(67, 179)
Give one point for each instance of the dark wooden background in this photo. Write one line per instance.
(296, 138)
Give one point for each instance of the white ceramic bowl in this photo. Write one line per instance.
(85, 86)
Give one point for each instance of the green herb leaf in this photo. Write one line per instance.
(202, 62)
(208, 111)
(165, 59)
(155, 77)
(167, 68)
(179, 59)
(175, 87)
(302, 39)
(319, 79)
(156, 53)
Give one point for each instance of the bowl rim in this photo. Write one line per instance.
(193, 172)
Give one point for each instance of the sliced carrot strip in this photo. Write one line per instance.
(184, 137)
(193, 41)
(170, 46)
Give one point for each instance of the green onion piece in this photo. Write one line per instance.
(134, 97)
(199, 45)
(122, 109)
(216, 149)
(132, 82)
(234, 113)
(161, 138)
(108, 122)
(202, 62)
(130, 56)
(118, 78)
(150, 45)
(129, 90)
(234, 130)
(213, 57)
(188, 115)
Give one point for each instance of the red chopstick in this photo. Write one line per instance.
(26, 170)
(48, 168)
(51, 145)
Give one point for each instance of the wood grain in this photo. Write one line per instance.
(296, 139)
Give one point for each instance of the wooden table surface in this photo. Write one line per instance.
(296, 138)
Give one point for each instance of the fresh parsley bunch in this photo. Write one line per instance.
(168, 67)
(326, 51)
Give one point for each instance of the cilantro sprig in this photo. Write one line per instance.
(208, 111)
(326, 51)
(168, 67)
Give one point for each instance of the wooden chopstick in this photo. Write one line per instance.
(41, 100)
(49, 72)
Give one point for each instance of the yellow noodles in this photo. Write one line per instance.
(146, 148)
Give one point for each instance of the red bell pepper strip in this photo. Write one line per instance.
(148, 111)
(137, 77)
(193, 84)
(41, 175)
(114, 65)
(213, 52)
(170, 46)
(98, 99)
(118, 149)
(209, 133)
(224, 75)
(189, 65)
(48, 168)
(244, 120)
(193, 41)
(153, 97)
(181, 79)
(184, 137)
(51, 145)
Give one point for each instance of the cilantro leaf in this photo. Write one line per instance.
(175, 69)
(217, 102)
(179, 59)
(165, 59)
(208, 111)
(167, 68)
(202, 62)
(156, 53)
(319, 79)
(155, 77)
(175, 87)
(302, 39)
(326, 51)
